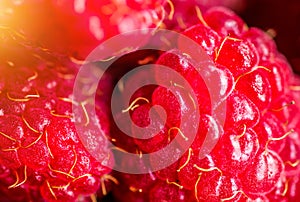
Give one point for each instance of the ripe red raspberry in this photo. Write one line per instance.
(41, 154)
(182, 14)
(257, 156)
(78, 26)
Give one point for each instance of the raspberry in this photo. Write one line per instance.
(225, 22)
(238, 56)
(240, 111)
(168, 192)
(42, 157)
(181, 64)
(183, 14)
(257, 153)
(205, 36)
(41, 154)
(263, 174)
(77, 27)
(264, 44)
(153, 144)
(211, 187)
(270, 127)
(24, 193)
(235, 150)
(256, 87)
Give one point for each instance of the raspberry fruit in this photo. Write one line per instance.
(256, 157)
(77, 27)
(41, 154)
(257, 154)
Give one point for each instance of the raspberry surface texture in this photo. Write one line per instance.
(256, 155)
(42, 157)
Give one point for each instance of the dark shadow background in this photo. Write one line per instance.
(284, 17)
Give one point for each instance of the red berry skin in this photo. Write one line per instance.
(141, 117)
(290, 154)
(283, 108)
(36, 156)
(268, 128)
(61, 137)
(188, 173)
(239, 56)
(263, 43)
(8, 106)
(235, 149)
(240, 111)
(87, 185)
(134, 187)
(39, 142)
(10, 159)
(37, 118)
(119, 138)
(245, 107)
(257, 88)
(209, 130)
(214, 186)
(242, 197)
(24, 193)
(57, 191)
(166, 99)
(262, 174)
(258, 150)
(40, 104)
(12, 131)
(169, 173)
(295, 184)
(186, 13)
(278, 75)
(168, 192)
(16, 83)
(176, 60)
(225, 22)
(62, 163)
(278, 194)
(205, 37)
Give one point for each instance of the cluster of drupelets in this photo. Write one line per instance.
(41, 155)
(257, 156)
